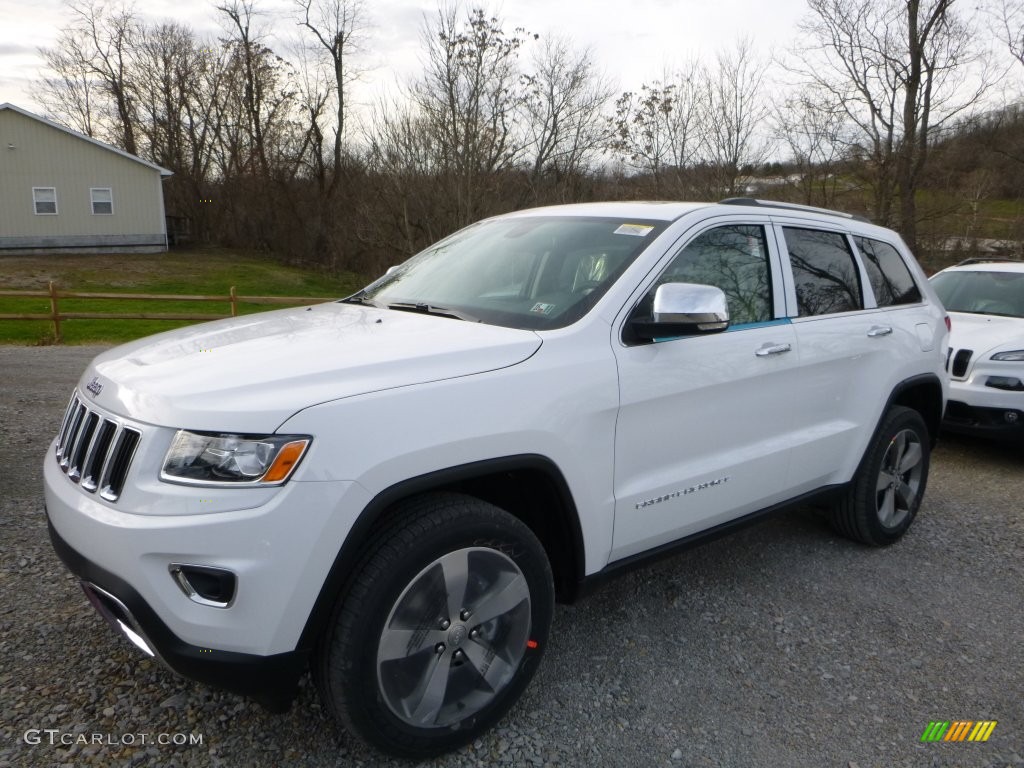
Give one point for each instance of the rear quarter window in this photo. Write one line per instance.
(888, 274)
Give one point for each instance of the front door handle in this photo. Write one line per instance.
(772, 349)
(879, 330)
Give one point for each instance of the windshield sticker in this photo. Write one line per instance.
(636, 230)
(540, 308)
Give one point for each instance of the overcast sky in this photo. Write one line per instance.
(632, 40)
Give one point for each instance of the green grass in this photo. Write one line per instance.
(949, 215)
(196, 272)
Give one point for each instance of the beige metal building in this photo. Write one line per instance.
(61, 191)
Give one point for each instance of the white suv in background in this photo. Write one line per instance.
(391, 490)
(985, 298)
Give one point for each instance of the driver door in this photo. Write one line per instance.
(704, 420)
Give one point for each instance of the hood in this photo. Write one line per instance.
(249, 374)
(985, 333)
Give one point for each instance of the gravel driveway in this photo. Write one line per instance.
(780, 646)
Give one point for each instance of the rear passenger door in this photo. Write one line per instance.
(896, 291)
(847, 353)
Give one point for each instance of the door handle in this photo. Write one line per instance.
(772, 349)
(879, 330)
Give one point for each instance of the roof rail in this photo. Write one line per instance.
(988, 260)
(792, 207)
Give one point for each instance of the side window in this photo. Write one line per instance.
(890, 279)
(44, 201)
(733, 258)
(824, 271)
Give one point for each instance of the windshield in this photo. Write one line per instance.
(529, 273)
(982, 293)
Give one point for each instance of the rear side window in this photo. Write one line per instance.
(825, 273)
(888, 273)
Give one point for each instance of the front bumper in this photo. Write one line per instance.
(976, 407)
(986, 398)
(1003, 423)
(270, 680)
(279, 544)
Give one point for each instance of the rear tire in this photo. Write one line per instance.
(441, 629)
(886, 493)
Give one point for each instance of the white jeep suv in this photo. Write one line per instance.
(391, 490)
(985, 299)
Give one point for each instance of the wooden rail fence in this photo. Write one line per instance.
(56, 316)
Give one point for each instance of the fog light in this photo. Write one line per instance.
(205, 584)
(1010, 383)
(1011, 417)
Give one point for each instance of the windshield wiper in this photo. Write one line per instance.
(430, 309)
(360, 297)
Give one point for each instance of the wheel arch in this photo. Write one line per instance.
(923, 394)
(529, 486)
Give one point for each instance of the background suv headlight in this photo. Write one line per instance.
(1013, 356)
(225, 459)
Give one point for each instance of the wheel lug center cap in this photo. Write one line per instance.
(457, 635)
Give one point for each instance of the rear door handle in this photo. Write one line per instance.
(772, 349)
(879, 330)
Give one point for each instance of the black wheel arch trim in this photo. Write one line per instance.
(931, 420)
(348, 555)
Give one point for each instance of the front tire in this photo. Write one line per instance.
(441, 629)
(887, 490)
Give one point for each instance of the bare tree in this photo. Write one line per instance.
(814, 131)
(69, 92)
(564, 103)
(338, 27)
(314, 90)
(737, 113)
(113, 35)
(660, 130)
(181, 101)
(468, 95)
(164, 61)
(266, 99)
(898, 68)
(1009, 26)
(408, 214)
(92, 61)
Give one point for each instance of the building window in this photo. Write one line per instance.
(45, 201)
(102, 200)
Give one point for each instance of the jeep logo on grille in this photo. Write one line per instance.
(94, 386)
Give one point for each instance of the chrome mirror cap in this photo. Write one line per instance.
(702, 306)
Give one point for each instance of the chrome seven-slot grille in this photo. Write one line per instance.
(95, 451)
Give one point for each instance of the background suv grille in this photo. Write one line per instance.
(960, 362)
(95, 451)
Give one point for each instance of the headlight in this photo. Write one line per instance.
(261, 460)
(1015, 356)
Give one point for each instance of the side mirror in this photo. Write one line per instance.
(391, 269)
(681, 309)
